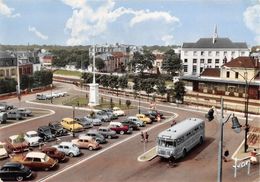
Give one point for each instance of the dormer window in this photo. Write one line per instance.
(228, 74)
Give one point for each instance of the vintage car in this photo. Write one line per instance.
(86, 142)
(57, 129)
(54, 153)
(130, 124)
(35, 161)
(144, 118)
(16, 143)
(94, 120)
(5, 106)
(71, 125)
(117, 111)
(14, 114)
(24, 112)
(107, 132)
(149, 115)
(3, 152)
(85, 122)
(32, 138)
(137, 121)
(96, 135)
(68, 148)
(45, 133)
(118, 127)
(155, 113)
(102, 116)
(12, 171)
(110, 114)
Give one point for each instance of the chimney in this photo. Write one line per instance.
(215, 35)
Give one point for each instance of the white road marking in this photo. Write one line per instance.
(103, 150)
(27, 120)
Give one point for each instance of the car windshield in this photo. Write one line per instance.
(167, 143)
(33, 135)
(46, 158)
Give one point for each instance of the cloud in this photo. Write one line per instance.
(6, 11)
(252, 19)
(37, 33)
(167, 39)
(87, 22)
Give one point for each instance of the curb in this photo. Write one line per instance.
(144, 155)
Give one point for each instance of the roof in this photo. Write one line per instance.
(243, 62)
(36, 154)
(4, 54)
(12, 164)
(84, 137)
(13, 137)
(211, 72)
(180, 128)
(219, 43)
(31, 132)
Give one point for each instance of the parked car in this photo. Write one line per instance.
(71, 125)
(149, 115)
(35, 161)
(55, 95)
(5, 106)
(86, 142)
(3, 117)
(119, 128)
(110, 114)
(96, 135)
(57, 129)
(102, 116)
(63, 94)
(94, 121)
(85, 122)
(117, 111)
(32, 138)
(107, 132)
(68, 148)
(54, 153)
(24, 112)
(130, 124)
(144, 118)
(15, 171)
(41, 97)
(14, 114)
(16, 143)
(45, 133)
(137, 121)
(3, 151)
(155, 113)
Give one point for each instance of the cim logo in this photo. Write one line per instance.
(242, 164)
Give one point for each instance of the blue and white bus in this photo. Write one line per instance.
(177, 140)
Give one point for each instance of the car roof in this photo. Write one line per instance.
(104, 127)
(84, 137)
(12, 164)
(140, 115)
(132, 117)
(68, 119)
(49, 149)
(36, 154)
(13, 137)
(66, 143)
(31, 132)
(44, 127)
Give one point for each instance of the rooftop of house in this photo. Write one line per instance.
(243, 62)
(211, 72)
(217, 43)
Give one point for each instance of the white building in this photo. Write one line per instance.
(210, 53)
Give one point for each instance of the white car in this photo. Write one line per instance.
(55, 95)
(68, 148)
(117, 111)
(32, 138)
(3, 152)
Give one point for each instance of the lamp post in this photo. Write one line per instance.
(139, 111)
(247, 84)
(73, 116)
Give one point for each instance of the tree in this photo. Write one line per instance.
(171, 62)
(7, 85)
(113, 82)
(160, 87)
(148, 86)
(99, 63)
(143, 61)
(128, 103)
(26, 82)
(43, 77)
(122, 82)
(179, 89)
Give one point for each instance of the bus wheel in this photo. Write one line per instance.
(184, 153)
(201, 140)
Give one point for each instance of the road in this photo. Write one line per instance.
(117, 161)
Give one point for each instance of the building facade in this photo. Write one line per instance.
(210, 53)
(8, 65)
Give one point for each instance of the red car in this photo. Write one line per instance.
(54, 153)
(120, 128)
(16, 143)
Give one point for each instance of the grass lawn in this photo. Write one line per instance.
(68, 73)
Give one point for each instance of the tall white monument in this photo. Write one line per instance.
(93, 87)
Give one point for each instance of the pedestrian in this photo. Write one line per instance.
(172, 161)
(146, 136)
(142, 136)
(226, 154)
(253, 158)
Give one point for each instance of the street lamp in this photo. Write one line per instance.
(247, 84)
(73, 116)
(139, 111)
(235, 126)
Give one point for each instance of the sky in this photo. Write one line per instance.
(137, 22)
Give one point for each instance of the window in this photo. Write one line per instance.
(217, 53)
(194, 69)
(2, 72)
(185, 60)
(217, 61)
(202, 53)
(209, 60)
(228, 74)
(36, 160)
(201, 60)
(201, 69)
(216, 66)
(194, 60)
(236, 74)
(185, 68)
